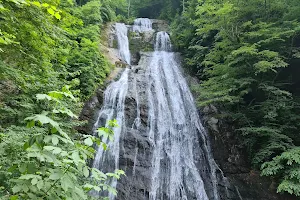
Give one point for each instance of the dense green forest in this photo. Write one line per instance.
(245, 52)
(49, 64)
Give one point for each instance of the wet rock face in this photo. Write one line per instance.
(233, 160)
(135, 58)
(134, 160)
(161, 25)
(88, 113)
(136, 149)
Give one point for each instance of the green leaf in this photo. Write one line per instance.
(31, 168)
(76, 157)
(26, 145)
(113, 123)
(120, 172)
(104, 145)
(31, 141)
(88, 141)
(55, 140)
(29, 176)
(88, 186)
(86, 171)
(97, 188)
(14, 197)
(36, 3)
(66, 183)
(57, 150)
(57, 16)
(80, 192)
(40, 184)
(49, 148)
(45, 5)
(56, 94)
(65, 111)
(43, 97)
(34, 181)
(22, 167)
(43, 119)
(51, 11)
(12, 168)
(32, 196)
(101, 132)
(30, 124)
(56, 176)
(17, 188)
(112, 190)
(54, 130)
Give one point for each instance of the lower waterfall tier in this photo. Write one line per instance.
(162, 146)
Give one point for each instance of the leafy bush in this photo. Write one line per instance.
(54, 156)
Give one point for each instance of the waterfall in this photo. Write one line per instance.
(160, 142)
(175, 131)
(163, 42)
(113, 108)
(123, 44)
(142, 25)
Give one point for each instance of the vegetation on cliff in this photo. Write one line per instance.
(246, 54)
(50, 63)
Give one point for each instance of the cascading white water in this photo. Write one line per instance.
(179, 163)
(113, 108)
(163, 42)
(123, 43)
(174, 129)
(142, 25)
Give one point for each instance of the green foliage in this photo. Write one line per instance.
(286, 165)
(246, 56)
(45, 45)
(54, 156)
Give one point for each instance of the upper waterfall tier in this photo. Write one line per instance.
(142, 25)
(123, 43)
(163, 42)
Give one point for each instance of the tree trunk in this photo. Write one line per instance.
(128, 9)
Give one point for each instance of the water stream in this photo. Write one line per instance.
(123, 44)
(165, 152)
(142, 25)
